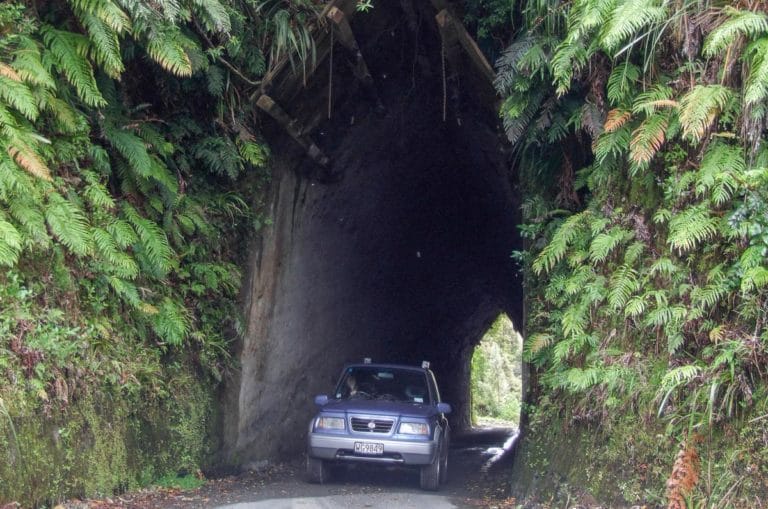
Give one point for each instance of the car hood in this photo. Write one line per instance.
(378, 407)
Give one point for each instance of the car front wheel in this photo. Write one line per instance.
(430, 474)
(317, 471)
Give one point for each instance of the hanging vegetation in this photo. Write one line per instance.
(130, 175)
(647, 260)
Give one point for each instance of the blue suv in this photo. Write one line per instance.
(382, 413)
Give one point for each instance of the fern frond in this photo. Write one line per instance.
(627, 19)
(28, 159)
(756, 87)
(68, 224)
(739, 23)
(214, 15)
(28, 64)
(636, 306)
(612, 144)
(254, 153)
(654, 99)
(120, 263)
(69, 52)
(96, 193)
(699, 109)
(17, 95)
(171, 322)
(153, 240)
(105, 45)
(122, 232)
(624, 282)
(754, 279)
(719, 171)
(167, 47)
(557, 247)
(27, 213)
(691, 227)
(615, 119)
(648, 138)
(537, 343)
(219, 155)
(621, 82)
(603, 244)
(10, 243)
(507, 70)
(132, 148)
(569, 57)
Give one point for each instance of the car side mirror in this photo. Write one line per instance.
(444, 408)
(321, 400)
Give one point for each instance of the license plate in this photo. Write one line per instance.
(369, 448)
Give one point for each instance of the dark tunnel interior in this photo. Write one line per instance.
(401, 249)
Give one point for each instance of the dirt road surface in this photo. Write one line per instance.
(478, 477)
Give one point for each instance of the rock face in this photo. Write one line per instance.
(400, 251)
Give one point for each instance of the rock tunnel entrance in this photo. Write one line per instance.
(399, 250)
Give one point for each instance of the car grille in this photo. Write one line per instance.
(363, 425)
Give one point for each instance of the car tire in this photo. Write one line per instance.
(430, 474)
(317, 471)
(444, 469)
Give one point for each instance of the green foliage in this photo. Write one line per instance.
(647, 294)
(120, 236)
(496, 381)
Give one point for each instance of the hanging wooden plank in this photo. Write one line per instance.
(294, 128)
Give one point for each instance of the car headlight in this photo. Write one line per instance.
(325, 422)
(414, 428)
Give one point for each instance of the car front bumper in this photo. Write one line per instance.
(341, 448)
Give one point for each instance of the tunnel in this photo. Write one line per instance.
(398, 248)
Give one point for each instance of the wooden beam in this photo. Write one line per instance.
(294, 129)
(452, 30)
(347, 39)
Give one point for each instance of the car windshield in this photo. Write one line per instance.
(389, 384)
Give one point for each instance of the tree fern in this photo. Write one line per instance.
(68, 224)
(700, 107)
(627, 19)
(69, 54)
(739, 23)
